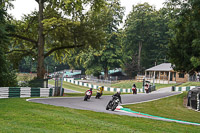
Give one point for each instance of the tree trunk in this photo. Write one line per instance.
(40, 67)
(139, 56)
(106, 73)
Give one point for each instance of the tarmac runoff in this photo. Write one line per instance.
(143, 115)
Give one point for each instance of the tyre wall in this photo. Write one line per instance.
(9, 92)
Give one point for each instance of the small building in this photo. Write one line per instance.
(165, 74)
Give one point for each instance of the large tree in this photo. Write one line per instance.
(137, 28)
(108, 55)
(184, 46)
(61, 25)
(145, 38)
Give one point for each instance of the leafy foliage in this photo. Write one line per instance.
(108, 55)
(145, 38)
(63, 25)
(7, 75)
(184, 45)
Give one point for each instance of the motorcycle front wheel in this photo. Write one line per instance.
(85, 98)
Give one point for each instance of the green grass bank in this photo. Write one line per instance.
(172, 107)
(189, 84)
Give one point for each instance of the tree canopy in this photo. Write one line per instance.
(85, 34)
(184, 45)
(107, 56)
(63, 25)
(145, 38)
(7, 75)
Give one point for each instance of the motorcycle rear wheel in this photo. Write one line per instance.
(114, 107)
(107, 108)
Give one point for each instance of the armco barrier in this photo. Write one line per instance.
(186, 88)
(71, 80)
(8, 92)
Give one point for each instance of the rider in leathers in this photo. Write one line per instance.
(101, 89)
(116, 95)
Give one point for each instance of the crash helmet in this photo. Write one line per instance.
(90, 89)
(102, 86)
(118, 92)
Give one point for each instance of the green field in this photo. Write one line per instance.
(82, 89)
(129, 83)
(17, 115)
(172, 107)
(189, 84)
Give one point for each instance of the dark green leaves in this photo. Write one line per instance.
(185, 45)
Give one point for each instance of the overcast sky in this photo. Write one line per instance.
(26, 6)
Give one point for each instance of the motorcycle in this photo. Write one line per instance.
(134, 90)
(146, 89)
(98, 95)
(87, 95)
(113, 104)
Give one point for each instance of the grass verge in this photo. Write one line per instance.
(171, 107)
(17, 115)
(189, 84)
(122, 84)
(71, 86)
(127, 84)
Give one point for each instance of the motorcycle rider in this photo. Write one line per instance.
(101, 89)
(90, 92)
(116, 95)
(134, 89)
(146, 88)
(99, 92)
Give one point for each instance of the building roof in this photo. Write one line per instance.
(116, 70)
(161, 67)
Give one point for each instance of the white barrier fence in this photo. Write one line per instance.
(71, 80)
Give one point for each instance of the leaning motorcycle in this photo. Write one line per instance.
(98, 95)
(113, 104)
(87, 95)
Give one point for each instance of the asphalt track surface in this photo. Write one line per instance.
(99, 105)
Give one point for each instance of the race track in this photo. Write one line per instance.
(99, 105)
